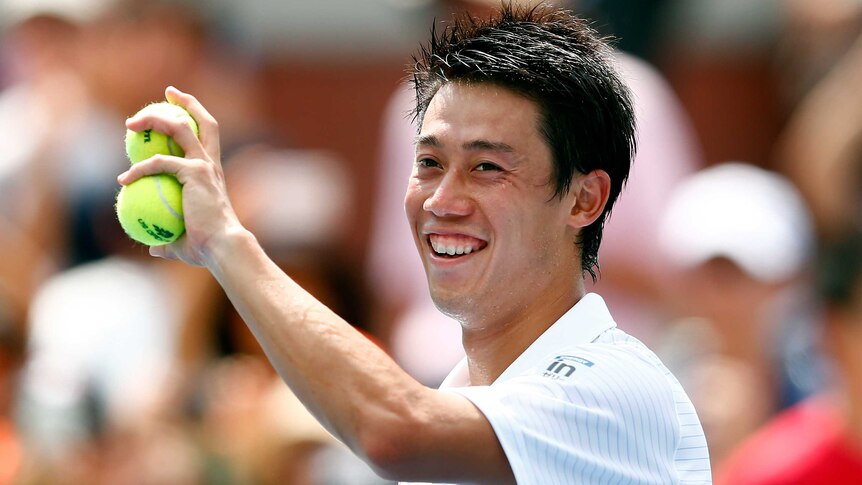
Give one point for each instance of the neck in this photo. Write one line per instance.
(491, 346)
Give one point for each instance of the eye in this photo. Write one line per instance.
(427, 163)
(486, 166)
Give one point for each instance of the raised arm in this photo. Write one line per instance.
(403, 429)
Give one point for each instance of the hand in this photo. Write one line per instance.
(209, 216)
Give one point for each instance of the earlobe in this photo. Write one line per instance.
(591, 193)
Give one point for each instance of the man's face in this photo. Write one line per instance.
(493, 238)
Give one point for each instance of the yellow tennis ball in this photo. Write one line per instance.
(141, 145)
(150, 209)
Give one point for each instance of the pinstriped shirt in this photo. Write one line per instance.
(588, 404)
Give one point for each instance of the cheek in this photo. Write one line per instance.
(413, 199)
(543, 233)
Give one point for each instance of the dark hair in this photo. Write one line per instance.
(839, 269)
(558, 61)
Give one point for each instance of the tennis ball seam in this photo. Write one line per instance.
(165, 201)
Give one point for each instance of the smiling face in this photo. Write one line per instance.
(495, 242)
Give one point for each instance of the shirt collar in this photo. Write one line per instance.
(582, 324)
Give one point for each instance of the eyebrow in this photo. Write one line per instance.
(474, 145)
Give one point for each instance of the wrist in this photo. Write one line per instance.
(223, 248)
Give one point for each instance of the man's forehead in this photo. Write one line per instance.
(479, 116)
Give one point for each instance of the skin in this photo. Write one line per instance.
(499, 197)
(481, 178)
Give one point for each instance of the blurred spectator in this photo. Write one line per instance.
(42, 84)
(102, 339)
(820, 147)
(818, 441)
(820, 150)
(114, 343)
(742, 237)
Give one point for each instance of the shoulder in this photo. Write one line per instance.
(614, 378)
(614, 358)
(590, 407)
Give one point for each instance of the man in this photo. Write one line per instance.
(525, 140)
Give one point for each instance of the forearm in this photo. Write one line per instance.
(403, 429)
(344, 379)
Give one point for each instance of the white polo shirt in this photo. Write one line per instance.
(587, 403)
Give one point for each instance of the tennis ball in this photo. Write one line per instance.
(150, 209)
(141, 145)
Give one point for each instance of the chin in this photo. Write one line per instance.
(454, 305)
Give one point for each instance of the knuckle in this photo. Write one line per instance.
(199, 167)
(176, 125)
(154, 161)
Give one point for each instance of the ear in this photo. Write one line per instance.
(590, 195)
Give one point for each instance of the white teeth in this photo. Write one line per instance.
(441, 248)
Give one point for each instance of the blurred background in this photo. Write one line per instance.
(734, 251)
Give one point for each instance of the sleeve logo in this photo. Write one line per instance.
(563, 367)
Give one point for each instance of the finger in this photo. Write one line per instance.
(175, 127)
(207, 124)
(155, 165)
(159, 252)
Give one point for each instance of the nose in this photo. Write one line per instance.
(451, 197)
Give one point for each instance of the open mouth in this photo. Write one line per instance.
(454, 246)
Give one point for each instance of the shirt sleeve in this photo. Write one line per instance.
(612, 422)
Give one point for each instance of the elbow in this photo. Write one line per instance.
(392, 449)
